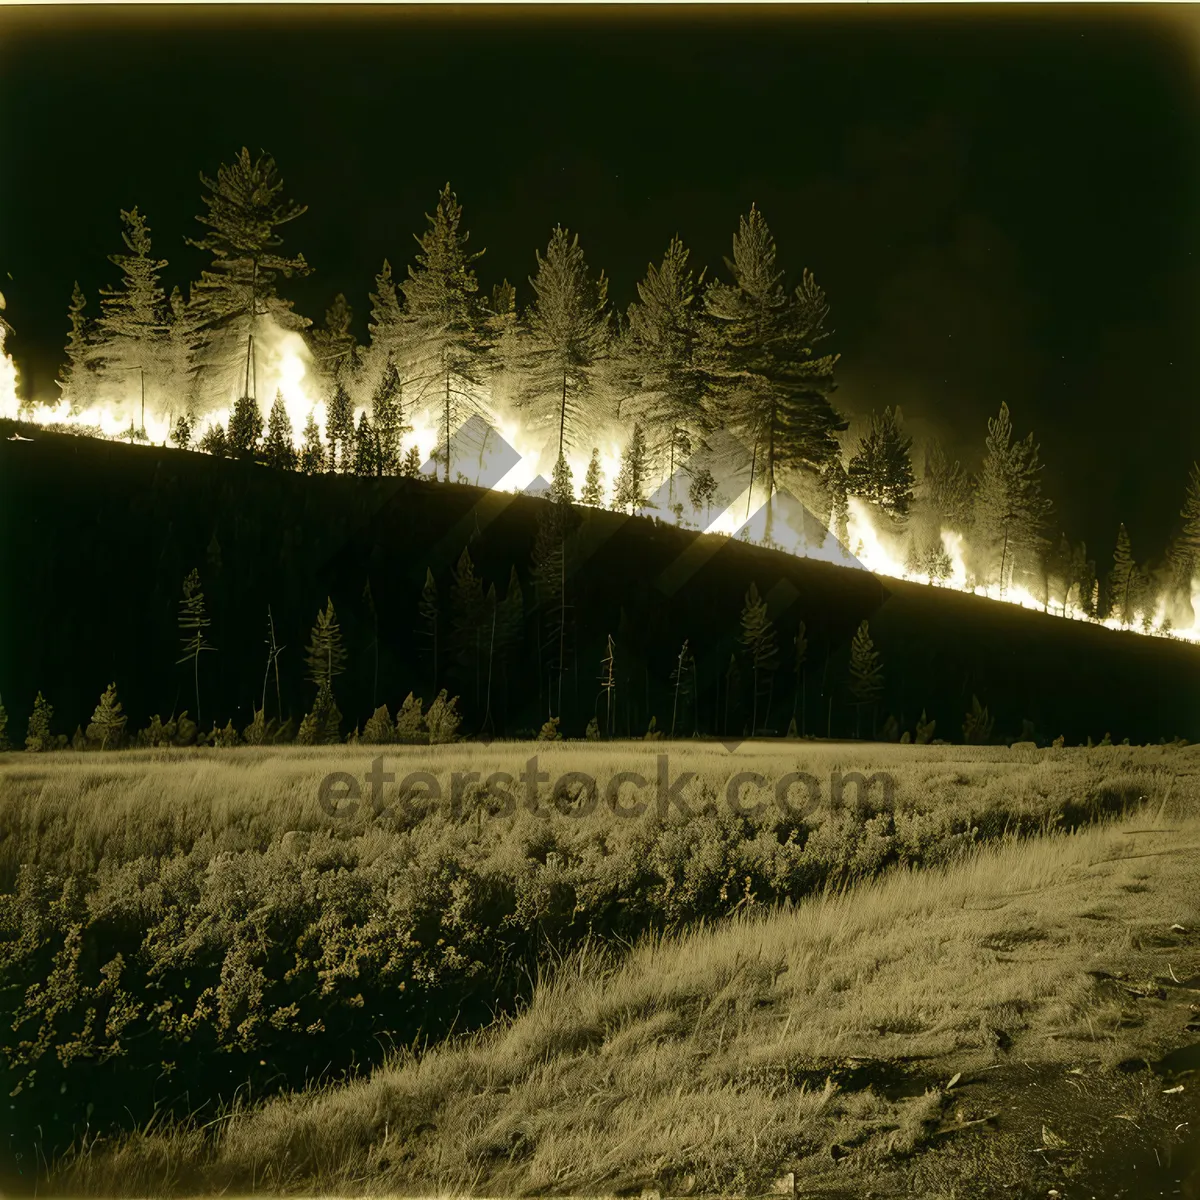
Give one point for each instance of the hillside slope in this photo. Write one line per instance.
(97, 537)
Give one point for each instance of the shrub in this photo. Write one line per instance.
(977, 724)
(442, 720)
(379, 730)
(925, 730)
(410, 723)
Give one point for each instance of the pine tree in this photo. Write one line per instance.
(799, 658)
(335, 348)
(881, 471)
(339, 430)
(245, 427)
(663, 346)
(131, 332)
(193, 621)
(702, 491)
(568, 337)
(245, 214)
(442, 319)
(281, 454)
(733, 690)
(386, 326)
(632, 481)
(429, 614)
(758, 637)
(550, 571)
(562, 490)
(388, 420)
(490, 622)
(179, 349)
(1088, 584)
(510, 619)
(38, 736)
(1123, 580)
(312, 456)
(214, 441)
(364, 448)
(322, 726)
(866, 672)
(1010, 511)
(757, 350)
(467, 609)
(326, 656)
(411, 467)
(78, 380)
(107, 724)
(593, 483)
(502, 343)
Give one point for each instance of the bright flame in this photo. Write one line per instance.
(8, 377)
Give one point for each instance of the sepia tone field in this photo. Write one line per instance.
(439, 998)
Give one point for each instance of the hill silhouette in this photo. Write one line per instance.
(98, 537)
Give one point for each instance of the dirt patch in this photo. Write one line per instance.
(1029, 1131)
(894, 1079)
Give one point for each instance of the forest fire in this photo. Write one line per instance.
(284, 367)
(459, 386)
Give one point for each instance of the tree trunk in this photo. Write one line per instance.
(447, 426)
(753, 465)
(562, 417)
(770, 477)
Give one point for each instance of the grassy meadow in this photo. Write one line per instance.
(212, 983)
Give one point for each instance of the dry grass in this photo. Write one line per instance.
(73, 811)
(716, 1060)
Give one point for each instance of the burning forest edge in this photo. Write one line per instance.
(708, 402)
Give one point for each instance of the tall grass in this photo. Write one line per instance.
(179, 928)
(713, 1060)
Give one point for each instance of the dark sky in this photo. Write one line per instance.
(1002, 205)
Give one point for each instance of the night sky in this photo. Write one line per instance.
(1002, 205)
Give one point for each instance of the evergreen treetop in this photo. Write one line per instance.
(326, 655)
(568, 336)
(279, 449)
(866, 672)
(881, 471)
(108, 723)
(757, 350)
